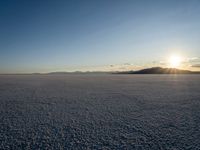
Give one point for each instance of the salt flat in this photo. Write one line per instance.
(100, 111)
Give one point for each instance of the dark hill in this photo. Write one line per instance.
(159, 70)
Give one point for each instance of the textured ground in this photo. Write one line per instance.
(100, 112)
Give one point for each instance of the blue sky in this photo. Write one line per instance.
(64, 35)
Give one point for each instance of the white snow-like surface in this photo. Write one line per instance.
(100, 112)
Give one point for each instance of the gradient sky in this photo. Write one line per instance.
(69, 35)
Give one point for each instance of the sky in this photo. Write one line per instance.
(97, 35)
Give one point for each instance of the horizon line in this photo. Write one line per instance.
(85, 72)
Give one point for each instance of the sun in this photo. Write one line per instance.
(175, 61)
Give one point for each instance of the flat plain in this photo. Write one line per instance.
(100, 111)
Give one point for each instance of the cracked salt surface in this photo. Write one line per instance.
(100, 112)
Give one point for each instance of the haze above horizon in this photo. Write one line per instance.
(48, 36)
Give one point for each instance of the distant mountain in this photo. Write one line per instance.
(154, 70)
(77, 72)
(159, 70)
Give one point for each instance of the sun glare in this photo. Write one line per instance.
(175, 61)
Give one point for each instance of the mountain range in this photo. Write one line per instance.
(159, 70)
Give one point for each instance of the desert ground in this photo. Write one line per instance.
(100, 112)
